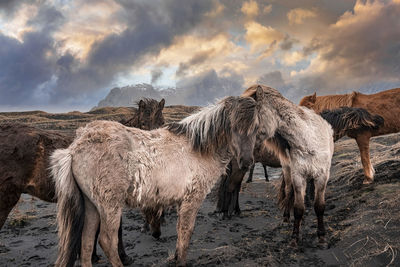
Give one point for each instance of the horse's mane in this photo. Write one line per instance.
(211, 126)
(346, 119)
(334, 101)
(251, 91)
(147, 101)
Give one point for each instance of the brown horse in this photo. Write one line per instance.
(149, 115)
(24, 161)
(385, 103)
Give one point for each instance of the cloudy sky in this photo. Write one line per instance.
(59, 55)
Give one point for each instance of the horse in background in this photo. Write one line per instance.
(24, 162)
(385, 104)
(176, 165)
(344, 121)
(149, 115)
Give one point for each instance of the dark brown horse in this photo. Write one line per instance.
(385, 103)
(24, 160)
(344, 121)
(149, 115)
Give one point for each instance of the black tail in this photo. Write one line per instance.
(347, 119)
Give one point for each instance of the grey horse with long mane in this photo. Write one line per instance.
(109, 165)
(303, 142)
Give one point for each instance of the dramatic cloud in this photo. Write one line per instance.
(204, 88)
(250, 8)
(298, 15)
(360, 49)
(68, 54)
(260, 36)
(156, 75)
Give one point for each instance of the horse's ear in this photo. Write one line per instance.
(161, 104)
(141, 104)
(313, 97)
(259, 93)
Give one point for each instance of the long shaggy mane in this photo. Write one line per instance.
(212, 125)
(347, 119)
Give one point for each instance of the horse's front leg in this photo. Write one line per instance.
(363, 144)
(9, 196)
(186, 220)
(250, 178)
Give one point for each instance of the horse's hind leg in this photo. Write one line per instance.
(250, 178)
(363, 145)
(299, 187)
(126, 260)
(108, 237)
(266, 172)
(288, 194)
(319, 208)
(89, 235)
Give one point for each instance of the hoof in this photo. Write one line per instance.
(126, 260)
(249, 181)
(368, 181)
(156, 234)
(286, 219)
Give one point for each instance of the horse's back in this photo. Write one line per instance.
(24, 152)
(385, 104)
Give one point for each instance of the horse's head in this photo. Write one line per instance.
(308, 101)
(150, 114)
(244, 127)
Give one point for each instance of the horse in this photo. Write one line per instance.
(304, 144)
(109, 165)
(24, 162)
(344, 121)
(149, 115)
(385, 103)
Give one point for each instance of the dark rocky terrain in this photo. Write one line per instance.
(363, 222)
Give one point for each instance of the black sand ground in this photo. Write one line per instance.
(363, 224)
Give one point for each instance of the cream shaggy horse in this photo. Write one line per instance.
(303, 142)
(109, 165)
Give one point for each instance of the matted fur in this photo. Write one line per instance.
(303, 141)
(114, 165)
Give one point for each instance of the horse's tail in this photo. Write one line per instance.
(346, 119)
(284, 201)
(70, 206)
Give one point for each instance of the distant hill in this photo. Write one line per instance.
(70, 121)
(128, 96)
